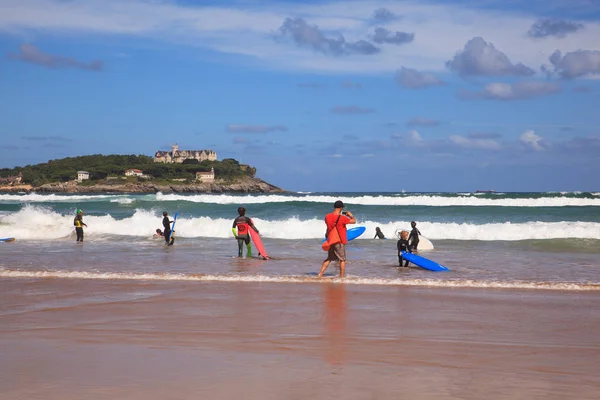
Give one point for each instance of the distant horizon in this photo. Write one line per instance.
(435, 96)
(496, 191)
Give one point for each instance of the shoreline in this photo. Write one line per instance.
(249, 185)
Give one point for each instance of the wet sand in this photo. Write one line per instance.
(88, 339)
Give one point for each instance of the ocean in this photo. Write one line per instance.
(520, 240)
(124, 316)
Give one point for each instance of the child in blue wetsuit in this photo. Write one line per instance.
(403, 246)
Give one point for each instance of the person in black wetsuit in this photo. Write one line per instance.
(78, 222)
(403, 246)
(167, 225)
(414, 236)
(242, 224)
(378, 234)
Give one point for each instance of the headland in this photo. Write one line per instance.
(136, 174)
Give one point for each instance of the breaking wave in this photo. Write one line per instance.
(431, 200)
(36, 222)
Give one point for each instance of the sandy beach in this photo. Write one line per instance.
(69, 338)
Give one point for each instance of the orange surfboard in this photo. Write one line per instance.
(258, 243)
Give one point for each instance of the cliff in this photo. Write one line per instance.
(245, 185)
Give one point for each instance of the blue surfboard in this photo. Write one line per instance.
(11, 239)
(172, 237)
(423, 262)
(353, 233)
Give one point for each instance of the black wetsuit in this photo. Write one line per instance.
(242, 223)
(379, 235)
(78, 222)
(402, 246)
(167, 230)
(413, 238)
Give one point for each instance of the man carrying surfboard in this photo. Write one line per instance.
(167, 225)
(335, 245)
(241, 230)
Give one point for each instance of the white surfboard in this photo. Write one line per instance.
(424, 243)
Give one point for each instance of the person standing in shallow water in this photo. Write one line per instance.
(167, 225)
(403, 246)
(79, 224)
(240, 228)
(414, 236)
(336, 237)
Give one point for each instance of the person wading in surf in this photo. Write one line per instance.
(336, 237)
(414, 236)
(167, 225)
(78, 222)
(240, 230)
(403, 246)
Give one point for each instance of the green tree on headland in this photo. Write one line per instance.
(100, 167)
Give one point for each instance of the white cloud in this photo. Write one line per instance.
(482, 58)
(247, 29)
(410, 78)
(532, 141)
(475, 143)
(241, 128)
(514, 91)
(415, 138)
(576, 63)
(422, 121)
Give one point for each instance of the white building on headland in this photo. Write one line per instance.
(206, 177)
(179, 156)
(134, 172)
(82, 176)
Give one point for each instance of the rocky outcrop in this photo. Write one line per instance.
(15, 188)
(247, 185)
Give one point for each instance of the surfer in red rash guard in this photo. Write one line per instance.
(243, 223)
(336, 237)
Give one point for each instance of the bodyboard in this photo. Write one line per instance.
(258, 243)
(11, 239)
(172, 237)
(353, 233)
(423, 262)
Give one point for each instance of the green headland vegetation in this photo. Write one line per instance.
(110, 168)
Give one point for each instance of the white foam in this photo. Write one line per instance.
(386, 200)
(431, 200)
(122, 200)
(39, 223)
(51, 198)
(350, 280)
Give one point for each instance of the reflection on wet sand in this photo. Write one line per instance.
(69, 338)
(335, 329)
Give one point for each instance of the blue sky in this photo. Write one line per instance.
(318, 95)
